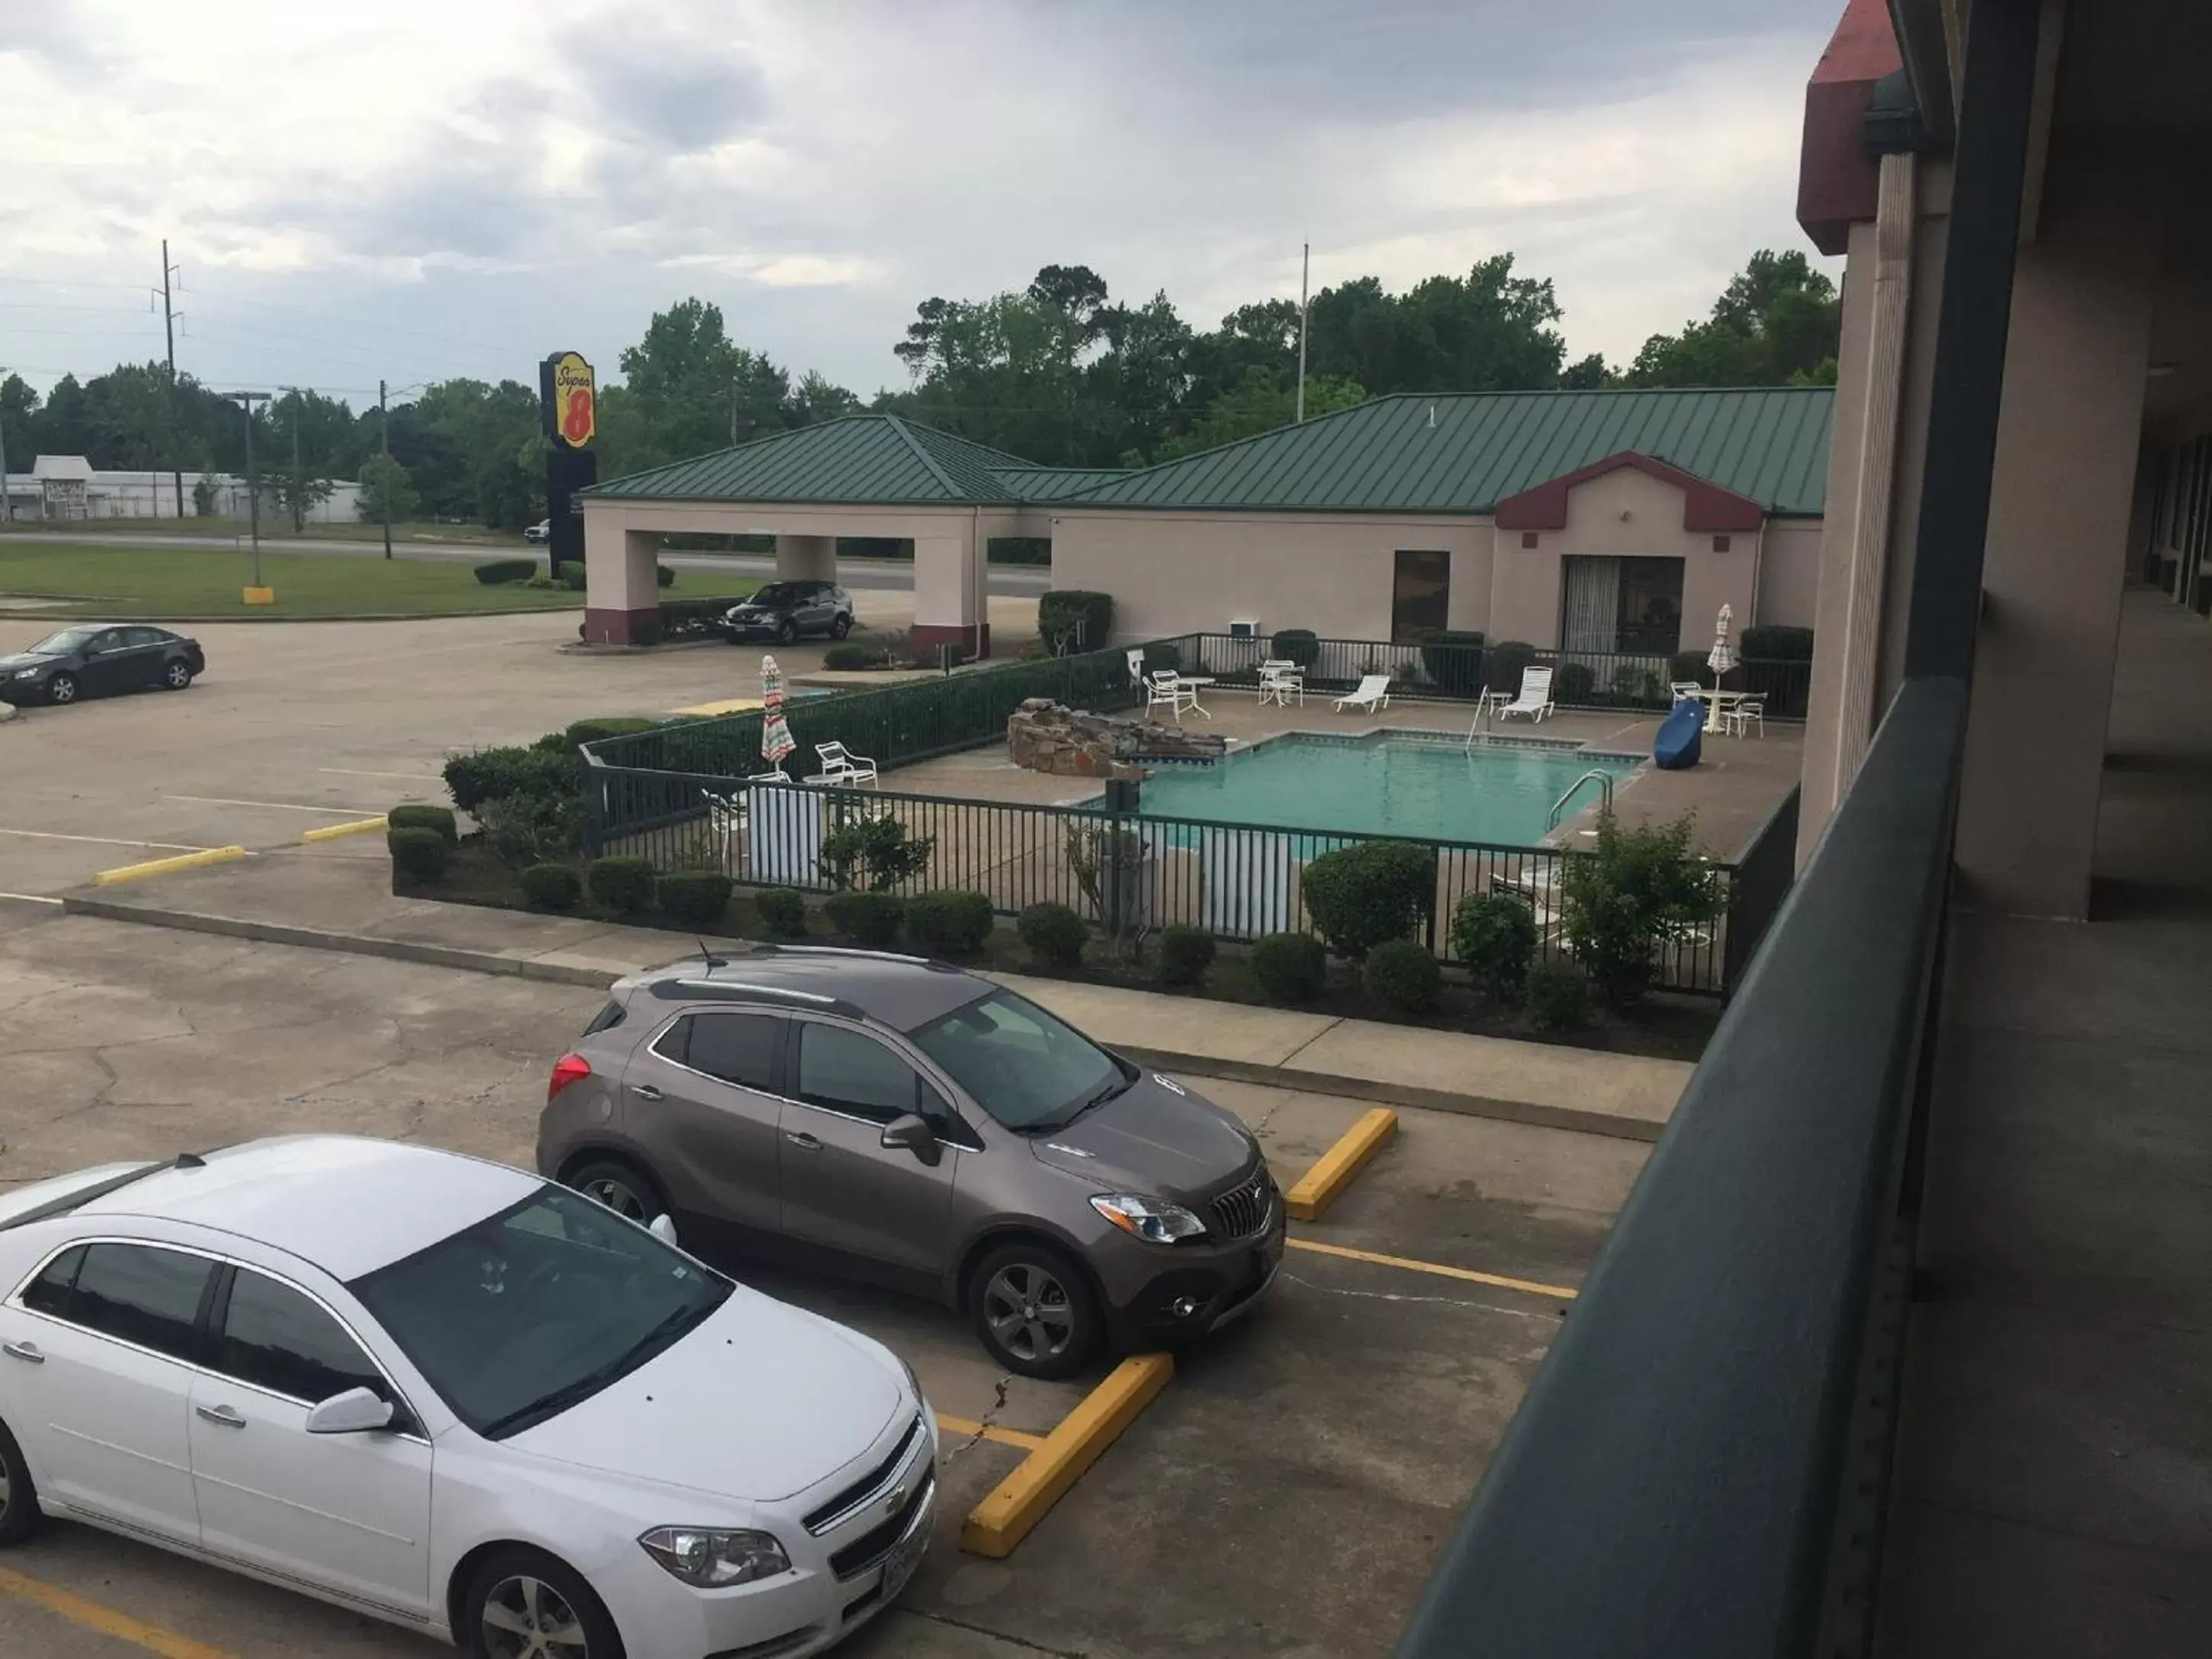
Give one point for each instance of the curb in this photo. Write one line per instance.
(1536, 1114)
(1014, 1507)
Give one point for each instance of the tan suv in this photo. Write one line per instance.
(906, 1122)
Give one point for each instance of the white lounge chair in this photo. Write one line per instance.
(1374, 694)
(1164, 688)
(841, 766)
(1535, 698)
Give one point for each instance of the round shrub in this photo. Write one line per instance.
(1575, 682)
(418, 855)
(1507, 659)
(552, 886)
(622, 883)
(848, 655)
(1053, 934)
(664, 575)
(488, 774)
(694, 899)
(1361, 895)
(1401, 976)
(1494, 934)
(413, 816)
(1452, 658)
(1185, 953)
(782, 911)
(572, 578)
(872, 920)
(1290, 967)
(949, 922)
(494, 572)
(1557, 995)
(1300, 645)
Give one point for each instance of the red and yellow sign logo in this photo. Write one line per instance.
(575, 400)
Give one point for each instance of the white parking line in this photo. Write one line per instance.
(106, 841)
(29, 899)
(277, 805)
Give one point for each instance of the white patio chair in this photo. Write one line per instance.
(1135, 658)
(1686, 691)
(1747, 712)
(842, 767)
(1535, 698)
(1373, 695)
(1540, 895)
(1164, 688)
(1281, 680)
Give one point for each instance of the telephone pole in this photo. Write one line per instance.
(384, 442)
(7, 501)
(247, 400)
(299, 491)
(169, 329)
(1305, 270)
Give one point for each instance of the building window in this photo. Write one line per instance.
(1527, 539)
(1621, 607)
(1421, 596)
(1720, 544)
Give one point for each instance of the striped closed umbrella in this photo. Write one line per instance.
(1723, 654)
(776, 740)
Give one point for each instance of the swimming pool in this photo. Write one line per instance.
(1391, 784)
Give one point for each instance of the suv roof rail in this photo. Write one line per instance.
(733, 990)
(771, 948)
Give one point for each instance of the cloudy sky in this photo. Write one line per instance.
(423, 188)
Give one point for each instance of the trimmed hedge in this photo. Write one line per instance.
(664, 575)
(552, 886)
(846, 655)
(1689, 665)
(1557, 995)
(1300, 645)
(950, 922)
(691, 619)
(1185, 952)
(1507, 659)
(579, 732)
(418, 854)
(1166, 657)
(696, 898)
(494, 573)
(1361, 895)
(1290, 967)
(1074, 619)
(414, 817)
(622, 883)
(782, 911)
(1494, 935)
(572, 578)
(488, 774)
(1053, 934)
(1402, 974)
(1452, 658)
(870, 918)
(1574, 682)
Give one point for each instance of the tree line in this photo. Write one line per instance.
(1059, 372)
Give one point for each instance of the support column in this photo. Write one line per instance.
(949, 595)
(622, 584)
(806, 558)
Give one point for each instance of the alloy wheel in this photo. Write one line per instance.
(526, 1617)
(177, 675)
(617, 1195)
(6, 1489)
(62, 689)
(1029, 1311)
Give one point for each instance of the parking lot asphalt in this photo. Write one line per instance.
(1287, 1495)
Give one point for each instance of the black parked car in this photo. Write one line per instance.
(784, 611)
(94, 659)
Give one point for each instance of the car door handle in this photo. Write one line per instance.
(645, 1091)
(28, 1352)
(225, 1415)
(804, 1141)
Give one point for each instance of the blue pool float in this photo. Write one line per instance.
(1680, 733)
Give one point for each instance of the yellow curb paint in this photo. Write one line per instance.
(1320, 1186)
(1562, 1292)
(332, 831)
(105, 1619)
(162, 867)
(728, 706)
(261, 596)
(973, 1429)
(1025, 1497)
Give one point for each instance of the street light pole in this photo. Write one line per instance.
(6, 500)
(384, 442)
(247, 400)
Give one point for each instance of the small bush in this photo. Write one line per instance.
(532, 827)
(411, 817)
(1494, 934)
(1185, 953)
(694, 899)
(1557, 995)
(949, 922)
(849, 654)
(1300, 645)
(622, 883)
(495, 572)
(1362, 894)
(1290, 967)
(1634, 890)
(870, 918)
(572, 578)
(1507, 659)
(782, 911)
(488, 774)
(1402, 974)
(552, 886)
(1053, 934)
(1575, 682)
(419, 855)
(1452, 658)
(664, 575)
(1069, 619)
(607, 726)
(874, 853)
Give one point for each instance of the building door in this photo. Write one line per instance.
(1421, 596)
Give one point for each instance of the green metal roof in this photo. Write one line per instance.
(1394, 455)
(860, 459)
(1056, 483)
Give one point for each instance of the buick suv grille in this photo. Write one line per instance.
(1244, 1209)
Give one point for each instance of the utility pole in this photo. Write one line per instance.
(247, 400)
(169, 329)
(1305, 270)
(7, 501)
(733, 411)
(384, 440)
(299, 491)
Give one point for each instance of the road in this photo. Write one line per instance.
(1022, 581)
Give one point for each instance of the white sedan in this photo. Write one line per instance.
(450, 1395)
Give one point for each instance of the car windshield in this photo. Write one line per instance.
(1022, 1065)
(61, 644)
(779, 593)
(539, 1308)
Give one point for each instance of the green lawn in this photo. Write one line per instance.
(183, 581)
(279, 529)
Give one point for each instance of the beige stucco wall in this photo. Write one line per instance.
(1789, 573)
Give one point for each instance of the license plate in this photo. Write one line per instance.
(907, 1556)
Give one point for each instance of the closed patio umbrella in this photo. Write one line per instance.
(776, 740)
(1723, 657)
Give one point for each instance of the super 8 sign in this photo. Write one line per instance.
(575, 401)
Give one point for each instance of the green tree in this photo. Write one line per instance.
(1777, 323)
(1489, 330)
(1259, 403)
(695, 390)
(386, 491)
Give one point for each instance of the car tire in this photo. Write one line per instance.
(787, 632)
(840, 628)
(1063, 1330)
(518, 1586)
(627, 1189)
(19, 1496)
(176, 674)
(61, 688)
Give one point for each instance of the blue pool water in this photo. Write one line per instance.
(1426, 790)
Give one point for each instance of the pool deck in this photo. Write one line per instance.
(1731, 791)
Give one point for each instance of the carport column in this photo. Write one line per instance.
(621, 586)
(948, 595)
(806, 558)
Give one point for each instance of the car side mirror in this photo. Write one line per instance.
(663, 1229)
(357, 1410)
(910, 1132)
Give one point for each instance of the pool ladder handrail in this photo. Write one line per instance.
(1605, 796)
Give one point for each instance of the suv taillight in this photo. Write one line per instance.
(570, 1068)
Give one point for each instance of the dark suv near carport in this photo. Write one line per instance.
(907, 1122)
(784, 611)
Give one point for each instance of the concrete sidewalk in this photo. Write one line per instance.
(337, 896)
